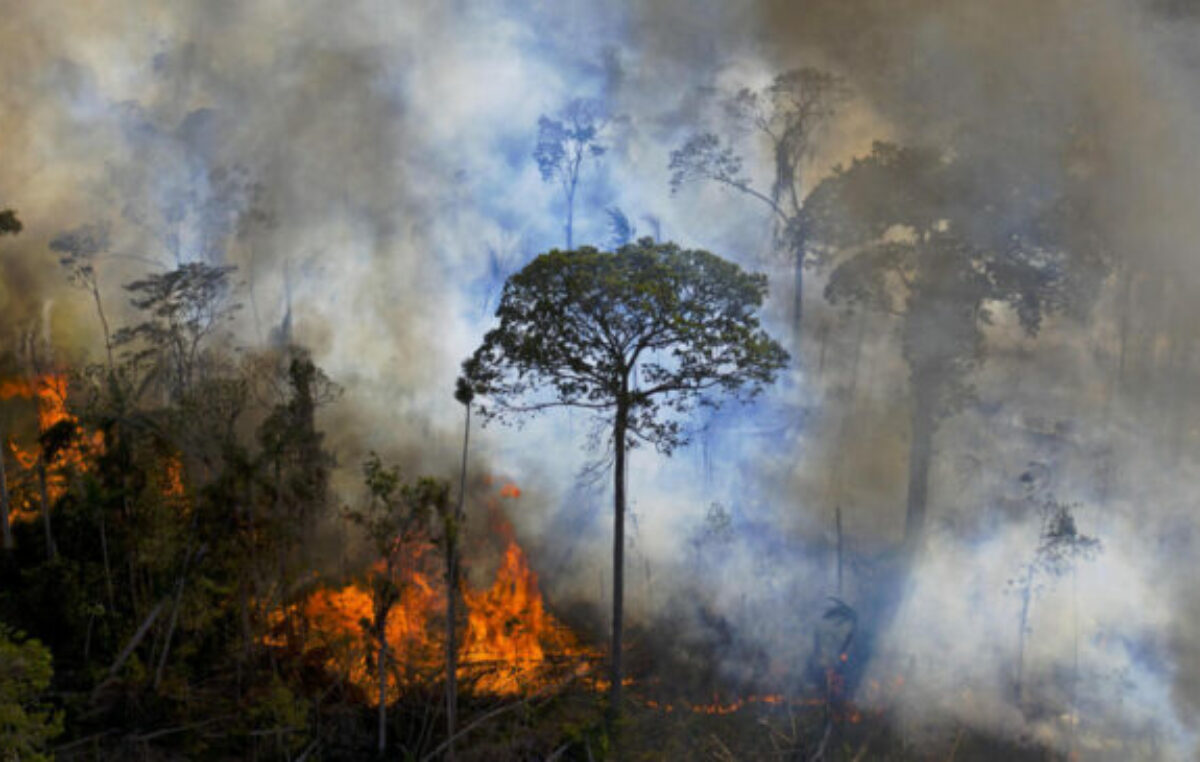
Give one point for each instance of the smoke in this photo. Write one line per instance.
(368, 168)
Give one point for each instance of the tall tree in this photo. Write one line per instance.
(788, 115)
(9, 224)
(80, 248)
(639, 337)
(563, 143)
(452, 524)
(904, 226)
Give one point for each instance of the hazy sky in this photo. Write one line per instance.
(373, 159)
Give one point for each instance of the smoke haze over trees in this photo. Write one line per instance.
(259, 238)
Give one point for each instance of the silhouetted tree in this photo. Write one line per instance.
(563, 143)
(452, 524)
(789, 114)
(639, 337)
(182, 308)
(80, 248)
(10, 225)
(905, 225)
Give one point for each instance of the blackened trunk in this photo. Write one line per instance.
(381, 668)
(5, 527)
(452, 530)
(920, 456)
(619, 430)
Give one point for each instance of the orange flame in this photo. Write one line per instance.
(50, 393)
(510, 644)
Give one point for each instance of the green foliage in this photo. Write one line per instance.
(575, 324)
(395, 515)
(26, 722)
(396, 510)
(275, 710)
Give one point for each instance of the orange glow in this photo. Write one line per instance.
(510, 635)
(510, 490)
(50, 393)
(717, 707)
(510, 643)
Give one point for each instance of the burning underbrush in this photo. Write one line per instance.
(509, 642)
(49, 456)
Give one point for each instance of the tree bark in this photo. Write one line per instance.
(137, 638)
(619, 429)
(920, 455)
(5, 527)
(452, 598)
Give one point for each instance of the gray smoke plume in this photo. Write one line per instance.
(367, 165)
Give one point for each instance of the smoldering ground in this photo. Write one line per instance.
(368, 169)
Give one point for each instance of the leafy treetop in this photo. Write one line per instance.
(574, 326)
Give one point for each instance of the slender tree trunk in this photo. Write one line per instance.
(108, 580)
(920, 456)
(179, 583)
(381, 634)
(5, 527)
(51, 550)
(838, 522)
(570, 216)
(103, 325)
(1023, 631)
(798, 291)
(618, 593)
(453, 528)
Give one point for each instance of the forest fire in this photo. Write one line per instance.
(49, 392)
(511, 643)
